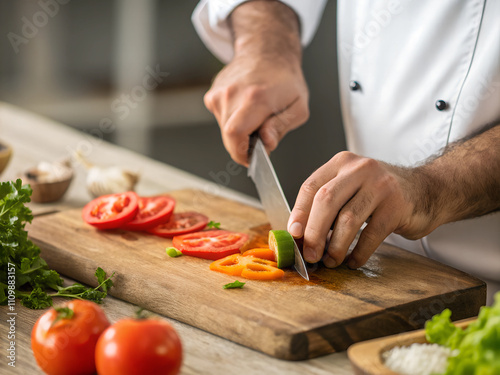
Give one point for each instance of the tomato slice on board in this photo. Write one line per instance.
(181, 223)
(212, 244)
(153, 211)
(111, 211)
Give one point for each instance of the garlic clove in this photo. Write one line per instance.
(110, 180)
(107, 180)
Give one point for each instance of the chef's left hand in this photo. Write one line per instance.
(347, 191)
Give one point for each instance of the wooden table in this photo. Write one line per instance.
(36, 139)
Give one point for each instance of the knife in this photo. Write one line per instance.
(261, 171)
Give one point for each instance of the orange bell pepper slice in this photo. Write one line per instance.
(256, 271)
(248, 266)
(261, 253)
(230, 265)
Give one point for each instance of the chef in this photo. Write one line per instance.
(420, 96)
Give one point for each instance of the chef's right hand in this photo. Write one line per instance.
(263, 87)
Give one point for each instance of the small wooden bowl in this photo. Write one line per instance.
(367, 357)
(5, 154)
(45, 192)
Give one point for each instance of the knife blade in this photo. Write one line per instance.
(262, 172)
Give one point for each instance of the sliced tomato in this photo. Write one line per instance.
(111, 211)
(153, 211)
(181, 223)
(212, 244)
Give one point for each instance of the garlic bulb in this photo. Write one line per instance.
(108, 180)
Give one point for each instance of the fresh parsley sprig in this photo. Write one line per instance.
(213, 224)
(234, 285)
(20, 260)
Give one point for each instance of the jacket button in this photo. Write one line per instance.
(441, 105)
(354, 85)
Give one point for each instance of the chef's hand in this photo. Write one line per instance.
(348, 191)
(263, 87)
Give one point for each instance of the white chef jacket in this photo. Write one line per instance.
(397, 59)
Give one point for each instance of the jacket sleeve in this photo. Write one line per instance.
(210, 21)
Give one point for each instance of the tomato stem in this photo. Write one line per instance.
(62, 313)
(141, 314)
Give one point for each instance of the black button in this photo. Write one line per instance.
(441, 105)
(355, 86)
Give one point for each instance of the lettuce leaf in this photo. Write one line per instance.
(478, 345)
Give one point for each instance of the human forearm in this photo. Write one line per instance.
(463, 182)
(263, 87)
(266, 29)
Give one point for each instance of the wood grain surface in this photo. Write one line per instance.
(291, 318)
(204, 353)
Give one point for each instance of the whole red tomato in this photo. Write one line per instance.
(63, 340)
(138, 347)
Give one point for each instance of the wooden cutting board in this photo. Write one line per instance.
(291, 318)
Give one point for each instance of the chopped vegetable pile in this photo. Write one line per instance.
(478, 345)
(26, 275)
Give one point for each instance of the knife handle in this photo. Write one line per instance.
(251, 144)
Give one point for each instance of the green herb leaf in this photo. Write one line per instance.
(76, 288)
(234, 285)
(213, 224)
(104, 282)
(93, 295)
(37, 299)
(173, 252)
(82, 292)
(20, 258)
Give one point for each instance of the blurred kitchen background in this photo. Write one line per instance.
(72, 61)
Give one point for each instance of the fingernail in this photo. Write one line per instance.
(295, 229)
(310, 255)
